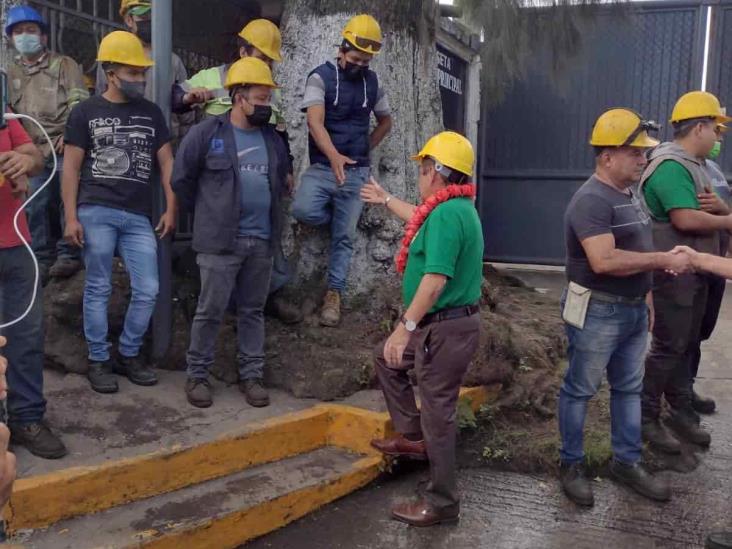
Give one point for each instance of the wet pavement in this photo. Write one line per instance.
(505, 510)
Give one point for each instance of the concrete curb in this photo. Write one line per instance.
(40, 501)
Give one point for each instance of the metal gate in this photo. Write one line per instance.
(534, 145)
(720, 68)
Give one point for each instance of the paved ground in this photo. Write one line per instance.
(97, 428)
(519, 511)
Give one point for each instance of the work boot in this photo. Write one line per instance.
(657, 435)
(685, 425)
(65, 267)
(198, 392)
(719, 540)
(135, 370)
(702, 404)
(283, 309)
(575, 484)
(256, 394)
(636, 477)
(38, 439)
(101, 378)
(330, 314)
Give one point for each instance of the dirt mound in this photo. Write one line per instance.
(522, 335)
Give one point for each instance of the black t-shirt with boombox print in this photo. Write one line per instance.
(121, 141)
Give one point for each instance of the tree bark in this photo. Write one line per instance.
(407, 71)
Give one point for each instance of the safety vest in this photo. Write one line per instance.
(665, 235)
(213, 79)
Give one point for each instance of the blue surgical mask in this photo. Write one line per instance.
(27, 44)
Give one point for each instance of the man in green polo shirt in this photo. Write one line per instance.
(442, 262)
(677, 191)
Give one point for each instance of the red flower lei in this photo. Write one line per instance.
(422, 212)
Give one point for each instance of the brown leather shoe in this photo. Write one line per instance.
(422, 513)
(399, 446)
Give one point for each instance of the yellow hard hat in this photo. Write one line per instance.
(127, 5)
(720, 125)
(622, 128)
(364, 33)
(249, 71)
(124, 48)
(699, 104)
(450, 149)
(264, 35)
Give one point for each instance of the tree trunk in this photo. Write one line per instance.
(406, 70)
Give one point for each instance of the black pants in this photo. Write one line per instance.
(680, 304)
(709, 322)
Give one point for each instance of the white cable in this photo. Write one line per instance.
(16, 217)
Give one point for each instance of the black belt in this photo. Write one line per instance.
(611, 298)
(449, 314)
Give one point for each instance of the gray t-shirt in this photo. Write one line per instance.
(596, 209)
(256, 197)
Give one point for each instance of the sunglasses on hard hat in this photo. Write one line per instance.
(366, 43)
(643, 126)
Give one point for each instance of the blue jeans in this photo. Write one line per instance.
(107, 229)
(24, 350)
(614, 339)
(45, 246)
(319, 200)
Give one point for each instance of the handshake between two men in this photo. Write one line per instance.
(679, 260)
(686, 259)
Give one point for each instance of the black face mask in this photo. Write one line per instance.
(260, 116)
(144, 31)
(353, 71)
(131, 90)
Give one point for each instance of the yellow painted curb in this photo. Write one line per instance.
(354, 428)
(45, 499)
(240, 527)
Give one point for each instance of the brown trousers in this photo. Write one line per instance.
(440, 354)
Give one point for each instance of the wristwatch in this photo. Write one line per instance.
(410, 325)
(386, 200)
